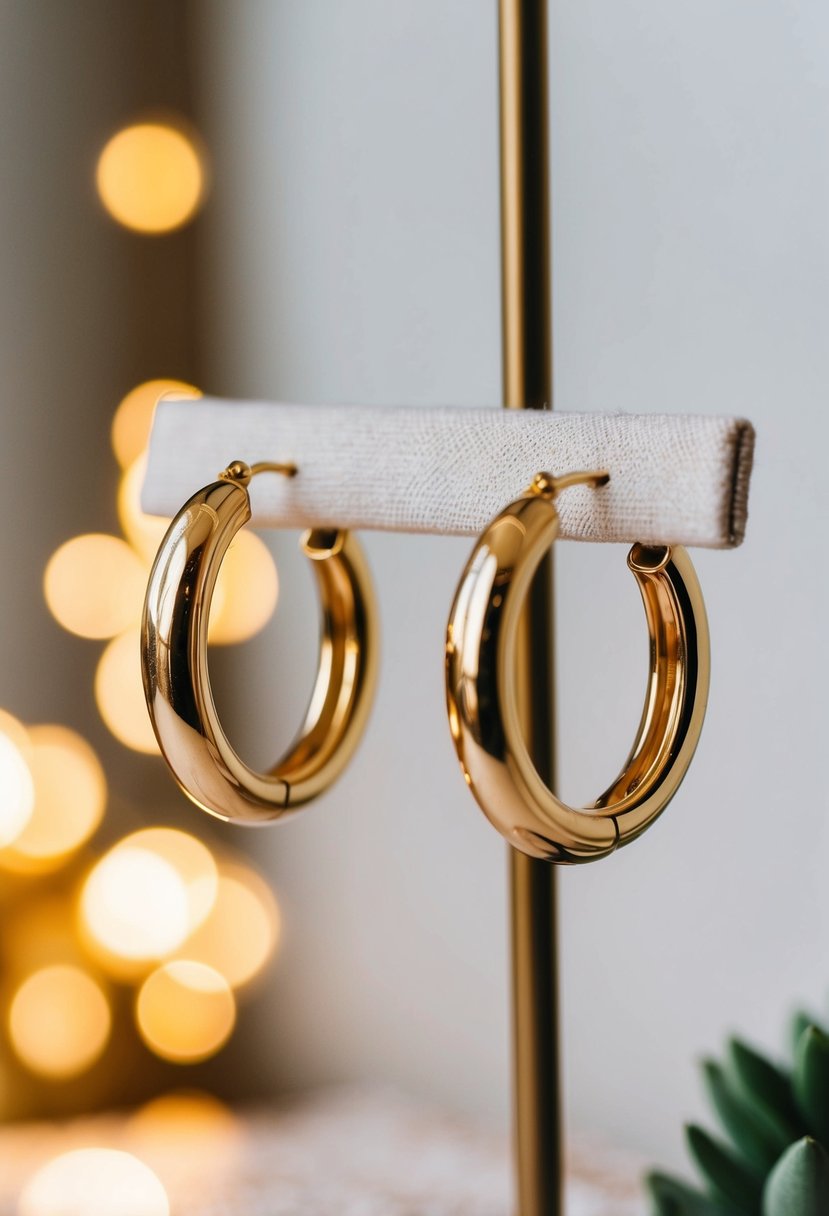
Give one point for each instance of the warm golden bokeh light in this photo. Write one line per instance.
(94, 1182)
(150, 178)
(134, 416)
(16, 731)
(38, 932)
(191, 860)
(144, 532)
(70, 796)
(242, 931)
(246, 591)
(185, 1011)
(94, 585)
(59, 1021)
(119, 694)
(17, 787)
(134, 908)
(185, 1122)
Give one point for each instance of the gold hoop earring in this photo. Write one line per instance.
(174, 659)
(482, 698)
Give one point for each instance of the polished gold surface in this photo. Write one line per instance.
(528, 384)
(484, 706)
(175, 669)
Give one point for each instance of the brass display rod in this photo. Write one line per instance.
(527, 370)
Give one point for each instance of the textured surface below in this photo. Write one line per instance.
(341, 1153)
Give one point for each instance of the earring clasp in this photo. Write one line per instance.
(240, 473)
(548, 486)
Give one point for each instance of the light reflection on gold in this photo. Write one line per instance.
(246, 591)
(191, 860)
(185, 1011)
(134, 416)
(59, 1021)
(94, 1182)
(144, 532)
(94, 585)
(134, 908)
(70, 796)
(17, 787)
(119, 694)
(150, 177)
(242, 931)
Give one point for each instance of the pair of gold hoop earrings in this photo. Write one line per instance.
(482, 700)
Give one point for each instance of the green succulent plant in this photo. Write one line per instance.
(771, 1159)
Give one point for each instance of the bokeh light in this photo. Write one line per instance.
(191, 860)
(144, 532)
(185, 1011)
(134, 416)
(70, 796)
(94, 585)
(134, 908)
(94, 1182)
(185, 1124)
(247, 589)
(38, 930)
(242, 931)
(59, 1021)
(119, 694)
(150, 177)
(17, 787)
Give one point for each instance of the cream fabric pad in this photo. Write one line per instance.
(674, 479)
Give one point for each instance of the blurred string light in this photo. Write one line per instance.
(17, 787)
(70, 793)
(119, 693)
(134, 416)
(174, 1130)
(159, 894)
(134, 906)
(157, 911)
(59, 1021)
(94, 584)
(95, 1182)
(183, 1119)
(241, 933)
(144, 532)
(185, 1011)
(144, 898)
(151, 177)
(38, 931)
(192, 861)
(246, 591)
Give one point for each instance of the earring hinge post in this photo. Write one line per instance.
(547, 485)
(240, 473)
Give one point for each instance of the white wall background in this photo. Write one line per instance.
(354, 238)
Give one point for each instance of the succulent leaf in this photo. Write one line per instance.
(756, 1138)
(799, 1183)
(767, 1088)
(800, 1021)
(670, 1197)
(728, 1178)
(811, 1080)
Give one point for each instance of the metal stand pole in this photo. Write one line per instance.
(527, 363)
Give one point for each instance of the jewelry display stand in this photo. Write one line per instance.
(673, 479)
